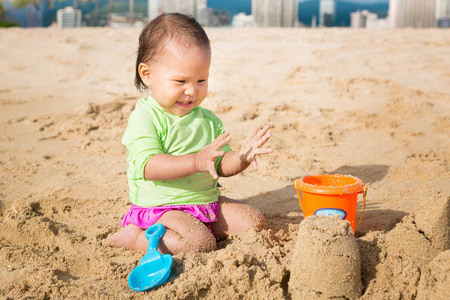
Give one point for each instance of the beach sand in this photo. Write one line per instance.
(371, 103)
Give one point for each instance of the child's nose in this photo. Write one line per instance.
(190, 90)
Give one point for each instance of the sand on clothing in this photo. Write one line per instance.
(371, 103)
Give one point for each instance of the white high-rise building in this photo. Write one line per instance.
(266, 13)
(188, 7)
(393, 12)
(366, 19)
(412, 13)
(443, 13)
(327, 12)
(442, 9)
(68, 17)
(203, 13)
(275, 13)
(290, 13)
(153, 9)
(357, 19)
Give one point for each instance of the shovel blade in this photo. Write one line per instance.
(150, 274)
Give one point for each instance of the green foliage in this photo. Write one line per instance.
(23, 3)
(5, 24)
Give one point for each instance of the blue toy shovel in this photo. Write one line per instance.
(154, 268)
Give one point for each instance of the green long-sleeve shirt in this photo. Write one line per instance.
(150, 131)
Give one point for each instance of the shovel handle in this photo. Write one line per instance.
(153, 235)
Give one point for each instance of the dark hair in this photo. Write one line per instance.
(163, 29)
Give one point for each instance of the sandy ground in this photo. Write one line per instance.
(371, 103)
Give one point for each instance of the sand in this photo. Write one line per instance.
(326, 262)
(371, 103)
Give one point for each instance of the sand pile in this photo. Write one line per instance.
(407, 253)
(326, 262)
(247, 266)
(399, 264)
(435, 278)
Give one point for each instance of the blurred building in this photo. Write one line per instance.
(413, 13)
(375, 22)
(358, 19)
(203, 13)
(443, 13)
(153, 9)
(275, 13)
(366, 19)
(195, 8)
(327, 13)
(243, 20)
(68, 17)
(442, 9)
(187, 7)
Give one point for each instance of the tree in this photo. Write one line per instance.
(24, 3)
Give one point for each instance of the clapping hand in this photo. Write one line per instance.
(253, 145)
(205, 159)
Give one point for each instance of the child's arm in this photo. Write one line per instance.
(235, 162)
(169, 167)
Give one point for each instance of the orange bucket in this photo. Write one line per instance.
(331, 195)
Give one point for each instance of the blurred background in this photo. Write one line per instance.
(236, 13)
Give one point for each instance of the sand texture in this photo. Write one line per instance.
(326, 262)
(371, 103)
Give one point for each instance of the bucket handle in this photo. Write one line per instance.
(364, 192)
(299, 196)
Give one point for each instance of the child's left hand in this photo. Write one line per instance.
(253, 144)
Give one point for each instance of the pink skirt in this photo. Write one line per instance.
(144, 217)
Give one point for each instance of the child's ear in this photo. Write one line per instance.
(145, 73)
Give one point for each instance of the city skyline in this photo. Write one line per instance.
(277, 13)
(273, 12)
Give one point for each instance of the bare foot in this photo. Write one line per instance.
(127, 237)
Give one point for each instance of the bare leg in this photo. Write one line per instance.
(184, 233)
(236, 216)
(131, 236)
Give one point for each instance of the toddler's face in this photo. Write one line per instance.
(179, 77)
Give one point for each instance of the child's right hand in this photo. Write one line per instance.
(205, 159)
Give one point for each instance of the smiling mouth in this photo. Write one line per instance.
(185, 104)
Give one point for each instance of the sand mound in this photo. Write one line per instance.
(405, 253)
(326, 262)
(432, 218)
(435, 279)
(248, 267)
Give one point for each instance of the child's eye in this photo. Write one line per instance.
(202, 80)
(181, 81)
